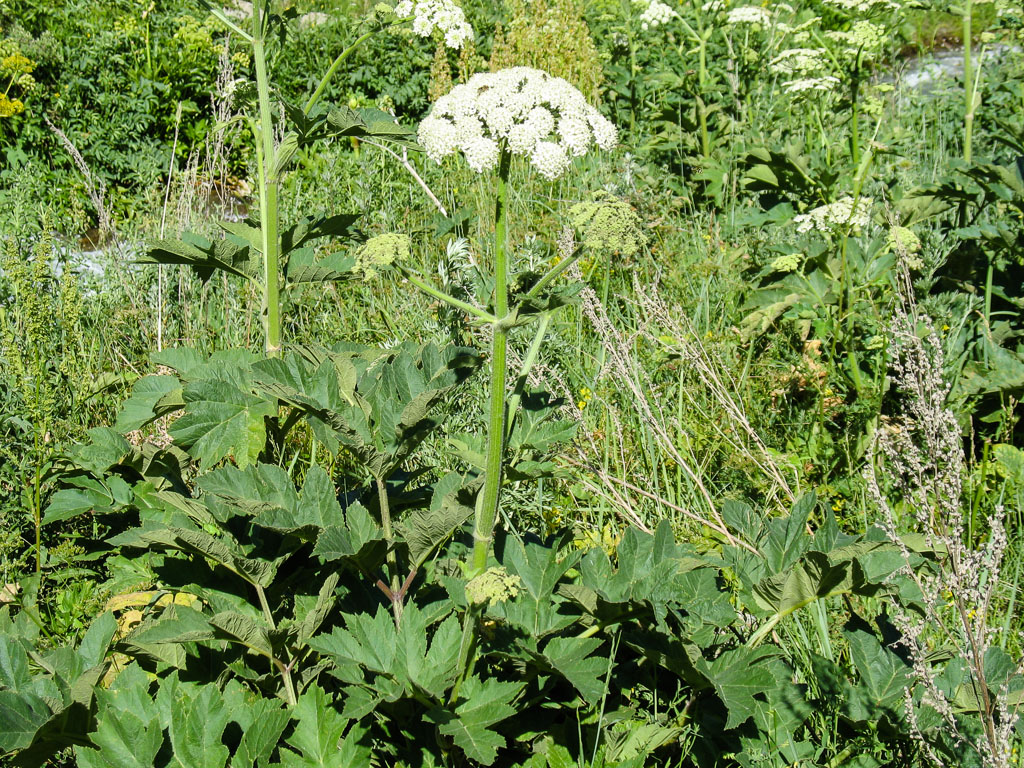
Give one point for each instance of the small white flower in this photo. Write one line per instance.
(749, 14)
(442, 15)
(655, 13)
(550, 159)
(438, 137)
(799, 61)
(830, 219)
(481, 153)
(575, 135)
(863, 6)
(518, 108)
(827, 83)
(605, 133)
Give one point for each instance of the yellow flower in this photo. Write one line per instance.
(585, 395)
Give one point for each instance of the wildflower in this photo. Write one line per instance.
(861, 7)
(655, 14)
(789, 262)
(16, 63)
(608, 224)
(863, 39)
(442, 15)
(495, 585)
(584, 401)
(799, 61)
(10, 107)
(380, 252)
(749, 14)
(805, 84)
(525, 110)
(907, 245)
(830, 218)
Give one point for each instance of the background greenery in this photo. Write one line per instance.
(735, 367)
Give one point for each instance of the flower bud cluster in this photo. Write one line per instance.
(749, 14)
(862, 7)
(443, 15)
(804, 84)
(532, 113)
(655, 14)
(830, 219)
(799, 61)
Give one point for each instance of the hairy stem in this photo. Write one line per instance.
(389, 535)
(968, 80)
(487, 510)
(268, 198)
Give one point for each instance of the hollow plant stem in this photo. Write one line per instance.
(487, 510)
(968, 28)
(268, 197)
(392, 557)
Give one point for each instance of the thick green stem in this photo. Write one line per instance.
(702, 109)
(487, 510)
(968, 81)
(392, 556)
(528, 362)
(430, 290)
(285, 670)
(268, 203)
(855, 115)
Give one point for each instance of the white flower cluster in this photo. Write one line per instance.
(830, 219)
(655, 14)
(864, 6)
(442, 15)
(527, 110)
(864, 38)
(805, 84)
(799, 62)
(749, 14)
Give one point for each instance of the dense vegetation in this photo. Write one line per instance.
(366, 400)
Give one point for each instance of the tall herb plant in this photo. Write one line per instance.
(258, 251)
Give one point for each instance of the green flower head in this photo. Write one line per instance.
(495, 585)
(905, 243)
(608, 224)
(378, 253)
(789, 262)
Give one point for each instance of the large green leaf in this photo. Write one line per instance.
(388, 415)
(22, 715)
(884, 676)
(360, 540)
(221, 550)
(222, 421)
(369, 123)
(265, 492)
(262, 722)
(424, 530)
(572, 658)
(204, 256)
(738, 676)
(197, 726)
(482, 704)
(319, 738)
(89, 495)
(122, 739)
(151, 398)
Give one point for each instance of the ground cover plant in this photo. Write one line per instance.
(564, 382)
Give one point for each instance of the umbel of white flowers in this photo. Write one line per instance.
(526, 110)
(443, 15)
